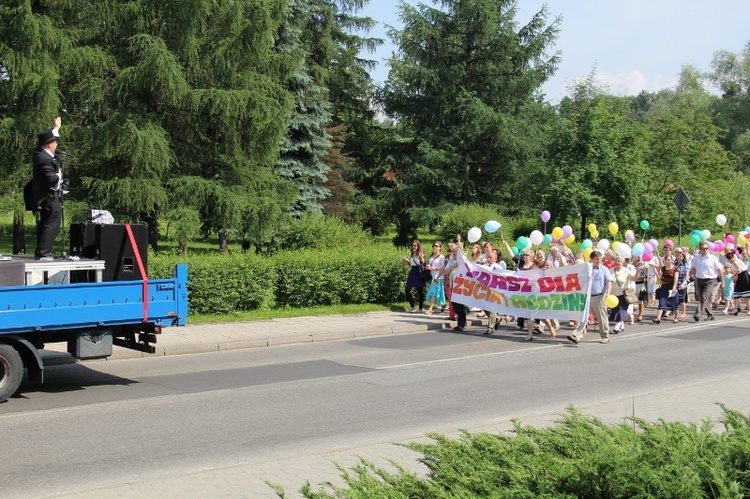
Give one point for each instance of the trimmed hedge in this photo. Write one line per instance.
(233, 282)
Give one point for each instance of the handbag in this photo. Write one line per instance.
(426, 274)
(630, 295)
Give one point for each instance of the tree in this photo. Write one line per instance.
(464, 87)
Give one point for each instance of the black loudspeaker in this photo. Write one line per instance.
(83, 240)
(12, 273)
(113, 245)
(109, 242)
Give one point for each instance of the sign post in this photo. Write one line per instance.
(681, 200)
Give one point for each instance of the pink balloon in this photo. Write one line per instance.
(646, 257)
(719, 245)
(668, 242)
(729, 238)
(567, 231)
(546, 216)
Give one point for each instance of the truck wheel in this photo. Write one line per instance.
(11, 371)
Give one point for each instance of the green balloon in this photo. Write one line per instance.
(522, 242)
(547, 238)
(514, 249)
(695, 239)
(644, 224)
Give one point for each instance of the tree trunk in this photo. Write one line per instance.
(153, 231)
(223, 241)
(19, 237)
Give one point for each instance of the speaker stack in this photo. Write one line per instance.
(109, 242)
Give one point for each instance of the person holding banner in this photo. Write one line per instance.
(450, 266)
(601, 287)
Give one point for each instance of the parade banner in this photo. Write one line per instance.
(557, 293)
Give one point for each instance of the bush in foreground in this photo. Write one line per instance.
(577, 457)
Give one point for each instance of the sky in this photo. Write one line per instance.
(631, 45)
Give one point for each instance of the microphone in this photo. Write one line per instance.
(63, 153)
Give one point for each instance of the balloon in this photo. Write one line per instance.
(629, 236)
(522, 242)
(557, 233)
(536, 237)
(595, 234)
(475, 234)
(647, 257)
(729, 238)
(614, 245)
(719, 245)
(638, 249)
(721, 219)
(492, 226)
(587, 253)
(611, 301)
(623, 250)
(545, 216)
(570, 239)
(547, 238)
(648, 248)
(706, 233)
(603, 244)
(591, 227)
(644, 224)
(695, 239)
(613, 228)
(654, 243)
(586, 243)
(514, 249)
(669, 242)
(711, 246)
(567, 230)
(747, 229)
(742, 240)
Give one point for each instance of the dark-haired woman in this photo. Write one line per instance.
(415, 279)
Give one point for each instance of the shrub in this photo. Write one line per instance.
(317, 231)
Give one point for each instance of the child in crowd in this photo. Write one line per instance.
(728, 288)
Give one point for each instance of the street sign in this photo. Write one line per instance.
(681, 200)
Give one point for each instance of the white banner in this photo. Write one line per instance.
(558, 293)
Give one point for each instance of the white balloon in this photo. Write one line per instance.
(623, 250)
(706, 233)
(475, 234)
(721, 219)
(603, 244)
(536, 237)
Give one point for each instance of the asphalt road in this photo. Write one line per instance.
(105, 423)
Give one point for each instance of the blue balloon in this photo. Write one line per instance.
(492, 226)
(638, 249)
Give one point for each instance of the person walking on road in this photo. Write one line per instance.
(415, 279)
(601, 287)
(708, 272)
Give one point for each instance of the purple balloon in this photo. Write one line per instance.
(546, 216)
(711, 247)
(654, 243)
(567, 231)
(630, 237)
(647, 248)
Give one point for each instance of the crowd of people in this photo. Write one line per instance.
(668, 282)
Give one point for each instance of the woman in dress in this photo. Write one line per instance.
(415, 281)
(668, 297)
(641, 276)
(436, 291)
(621, 277)
(682, 283)
(741, 283)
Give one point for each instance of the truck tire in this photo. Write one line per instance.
(11, 371)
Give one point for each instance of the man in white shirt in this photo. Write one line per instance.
(708, 272)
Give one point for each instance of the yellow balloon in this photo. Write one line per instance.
(587, 253)
(613, 228)
(591, 227)
(611, 301)
(614, 245)
(595, 234)
(570, 239)
(557, 233)
(741, 240)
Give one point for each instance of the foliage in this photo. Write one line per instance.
(319, 232)
(578, 456)
(235, 282)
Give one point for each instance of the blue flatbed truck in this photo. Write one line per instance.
(90, 317)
